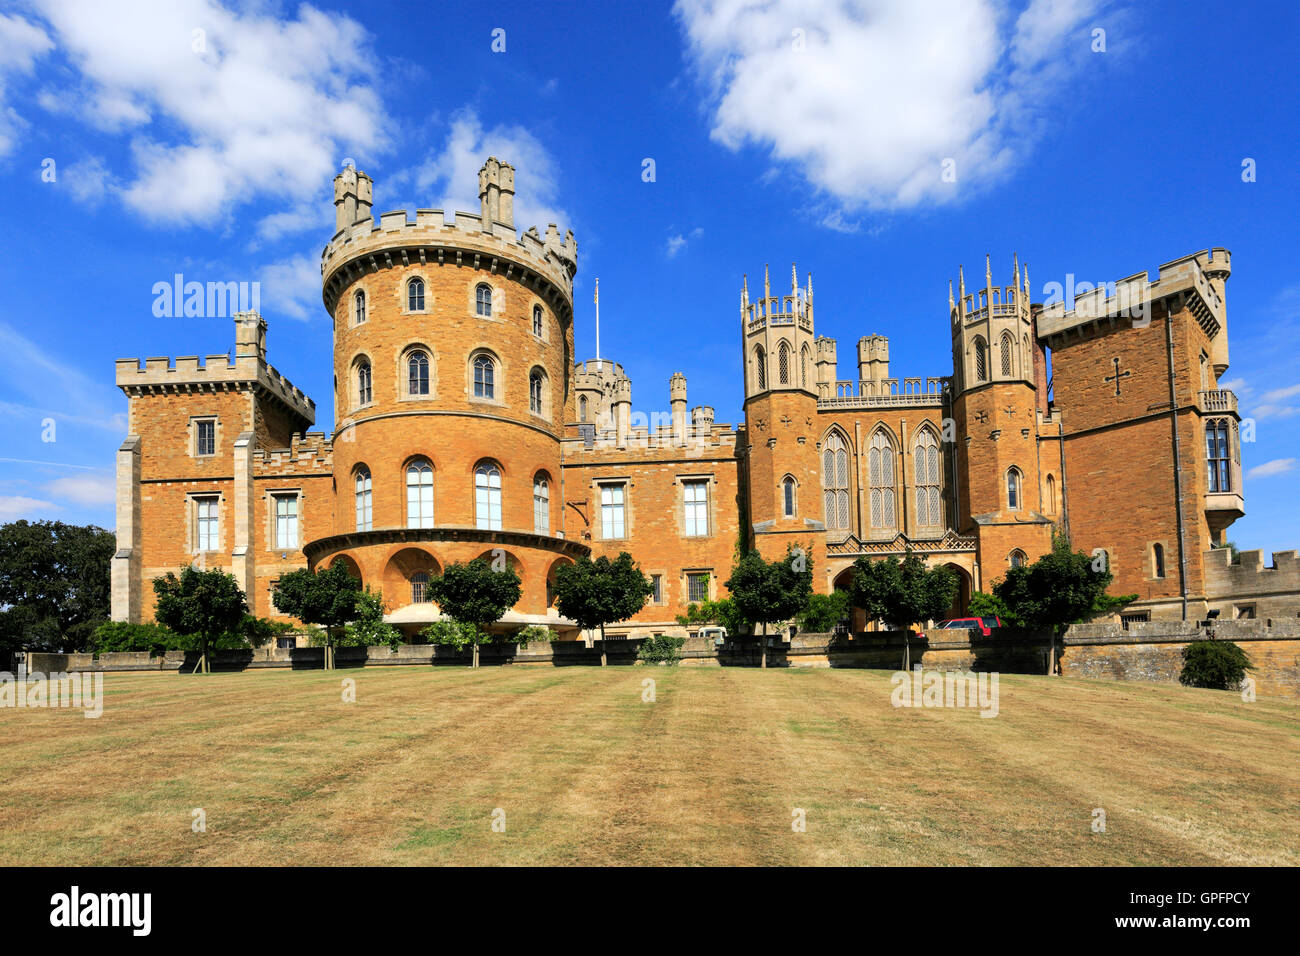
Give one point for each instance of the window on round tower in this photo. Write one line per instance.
(537, 321)
(783, 363)
(483, 299)
(417, 368)
(981, 360)
(359, 306)
(365, 390)
(484, 377)
(415, 295)
(760, 366)
(1006, 354)
(536, 392)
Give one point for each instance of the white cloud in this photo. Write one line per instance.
(13, 507)
(88, 180)
(1274, 411)
(84, 489)
(1237, 385)
(254, 108)
(1278, 466)
(677, 242)
(1278, 394)
(292, 288)
(453, 173)
(21, 44)
(881, 94)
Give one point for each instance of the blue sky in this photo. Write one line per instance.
(139, 140)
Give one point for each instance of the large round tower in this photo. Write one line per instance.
(453, 349)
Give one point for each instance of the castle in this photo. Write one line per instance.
(467, 427)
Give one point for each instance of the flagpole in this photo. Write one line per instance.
(597, 318)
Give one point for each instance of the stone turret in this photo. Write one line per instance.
(353, 195)
(677, 401)
(496, 193)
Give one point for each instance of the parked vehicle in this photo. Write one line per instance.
(719, 634)
(984, 625)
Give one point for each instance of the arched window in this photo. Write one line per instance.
(359, 306)
(803, 367)
(420, 587)
(1051, 495)
(537, 321)
(487, 496)
(415, 295)
(417, 377)
(880, 471)
(535, 391)
(1158, 560)
(419, 494)
(1006, 354)
(981, 360)
(484, 376)
(1217, 458)
(582, 408)
(364, 507)
(483, 299)
(835, 482)
(1013, 489)
(1017, 558)
(787, 496)
(925, 457)
(541, 505)
(760, 366)
(783, 363)
(365, 391)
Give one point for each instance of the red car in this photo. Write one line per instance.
(984, 625)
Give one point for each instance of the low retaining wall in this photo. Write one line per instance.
(1149, 651)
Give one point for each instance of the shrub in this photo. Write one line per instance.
(660, 649)
(450, 633)
(823, 612)
(369, 628)
(1218, 665)
(122, 636)
(538, 633)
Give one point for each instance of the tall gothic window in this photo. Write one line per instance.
(535, 392)
(484, 375)
(1051, 495)
(365, 391)
(364, 505)
(537, 321)
(419, 494)
(483, 299)
(880, 471)
(787, 496)
(541, 505)
(1006, 354)
(1013, 489)
(925, 457)
(359, 305)
(1017, 558)
(415, 295)
(803, 367)
(981, 360)
(487, 496)
(1158, 560)
(760, 366)
(783, 363)
(835, 482)
(417, 368)
(582, 408)
(1217, 445)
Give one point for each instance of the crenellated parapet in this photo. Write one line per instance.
(486, 241)
(309, 453)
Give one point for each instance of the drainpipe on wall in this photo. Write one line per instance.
(1178, 460)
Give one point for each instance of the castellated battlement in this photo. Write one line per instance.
(1200, 277)
(486, 240)
(1247, 587)
(312, 452)
(248, 368)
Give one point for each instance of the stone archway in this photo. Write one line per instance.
(400, 579)
(961, 602)
(857, 617)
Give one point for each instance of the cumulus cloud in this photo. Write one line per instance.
(452, 174)
(292, 287)
(869, 100)
(677, 242)
(221, 106)
(21, 44)
(99, 489)
(14, 507)
(1278, 466)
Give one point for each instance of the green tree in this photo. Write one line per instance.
(990, 605)
(1061, 588)
(595, 593)
(766, 592)
(722, 612)
(1217, 665)
(329, 598)
(368, 628)
(114, 636)
(54, 584)
(473, 595)
(902, 593)
(823, 612)
(207, 604)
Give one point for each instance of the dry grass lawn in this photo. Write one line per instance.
(586, 773)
